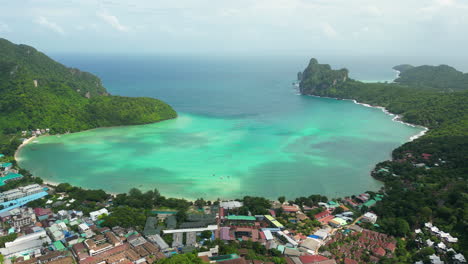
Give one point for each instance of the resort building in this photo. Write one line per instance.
(94, 215)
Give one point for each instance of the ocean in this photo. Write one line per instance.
(242, 130)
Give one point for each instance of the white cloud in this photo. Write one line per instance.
(4, 27)
(373, 11)
(50, 25)
(329, 30)
(113, 21)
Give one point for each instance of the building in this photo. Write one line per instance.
(369, 217)
(43, 213)
(25, 245)
(337, 222)
(230, 204)
(95, 215)
(20, 196)
(157, 239)
(95, 249)
(310, 245)
(322, 215)
(25, 218)
(57, 231)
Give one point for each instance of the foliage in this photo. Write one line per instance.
(254, 205)
(442, 77)
(7, 238)
(125, 217)
(414, 195)
(150, 199)
(188, 258)
(403, 67)
(81, 194)
(281, 199)
(65, 99)
(206, 234)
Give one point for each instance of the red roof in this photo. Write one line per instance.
(288, 208)
(42, 211)
(221, 212)
(426, 156)
(322, 215)
(272, 212)
(390, 246)
(379, 251)
(350, 261)
(312, 259)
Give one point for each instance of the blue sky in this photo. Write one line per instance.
(420, 27)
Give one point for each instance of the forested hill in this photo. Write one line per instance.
(426, 107)
(38, 92)
(435, 192)
(442, 77)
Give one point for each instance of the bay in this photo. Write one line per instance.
(242, 130)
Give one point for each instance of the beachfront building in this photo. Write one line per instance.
(20, 196)
(20, 192)
(228, 205)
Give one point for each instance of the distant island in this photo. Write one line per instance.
(38, 93)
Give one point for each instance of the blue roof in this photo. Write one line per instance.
(21, 201)
(314, 236)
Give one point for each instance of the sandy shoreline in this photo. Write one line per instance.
(396, 118)
(25, 142)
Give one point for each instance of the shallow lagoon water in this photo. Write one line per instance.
(239, 132)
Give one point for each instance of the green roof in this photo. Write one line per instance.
(281, 248)
(58, 245)
(241, 217)
(9, 176)
(369, 203)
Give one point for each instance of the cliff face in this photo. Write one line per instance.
(319, 77)
(38, 92)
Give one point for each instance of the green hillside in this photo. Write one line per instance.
(37, 92)
(442, 77)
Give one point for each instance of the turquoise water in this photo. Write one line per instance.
(241, 130)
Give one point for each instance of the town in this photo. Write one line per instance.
(42, 223)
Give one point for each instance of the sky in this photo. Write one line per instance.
(404, 27)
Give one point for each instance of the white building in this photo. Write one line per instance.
(369, 217)
(231, 204)
(25, 245)
(95, 215)
(83, 227)
(20, 192)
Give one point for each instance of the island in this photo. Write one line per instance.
(38, 93)
(419, 215)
